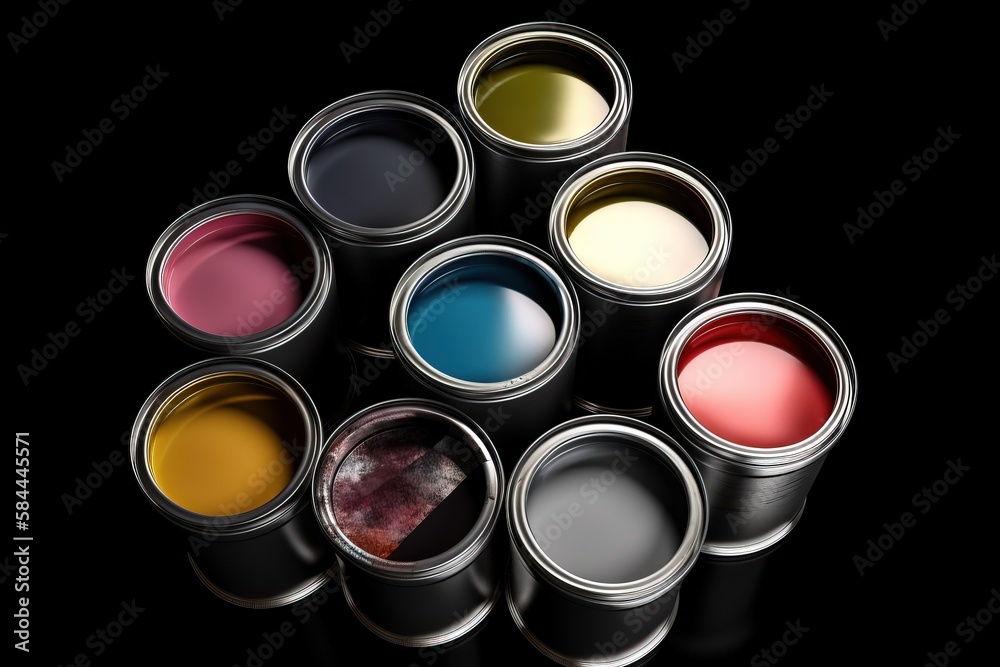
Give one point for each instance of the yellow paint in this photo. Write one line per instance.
(212, 455)
(538, 103)
(634, 241)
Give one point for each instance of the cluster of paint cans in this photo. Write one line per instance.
(571, 413)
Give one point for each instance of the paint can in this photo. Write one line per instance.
(386, 175)
(539, 100)
(606, 514)
(645, 238)
(249, 276)
(225, 449)
(759, 389)
(410, 494)
(489, 324)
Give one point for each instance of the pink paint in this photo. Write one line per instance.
(756, 384)
(233, 276)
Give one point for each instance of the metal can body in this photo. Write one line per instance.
(606, 516)
(645, 238)
(414, 578)
(386, 175)
(252, 538)
(760, 389)
(489, 325)
(249, 276)
(520, 169)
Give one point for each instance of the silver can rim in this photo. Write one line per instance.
(743, 458)
(289, 502)
(434, 260)
(652, 440)
(365, 422)
(353, 110)
(507, 42)
(621, 164)
(320, 290)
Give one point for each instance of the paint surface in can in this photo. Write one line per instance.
(408, 493)
(539, 103)
(216, 453)
(606, 512)
(381, 174)
(634, 240)
(233, 275)
(490, 321)
(755, 384)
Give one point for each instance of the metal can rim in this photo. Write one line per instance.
(321, 288)
(744, 458)
(485, 54)
(289, 502)
(390, 412)
(710, 268)
(653, 441)
(354, 107)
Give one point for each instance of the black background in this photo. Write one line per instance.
(890, 91)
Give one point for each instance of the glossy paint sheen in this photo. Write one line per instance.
(602, 513)
(482, 323)
(757, 390)
(232, 276)
(634, 241)
(381, 174)
(539, 103)
(214, 455)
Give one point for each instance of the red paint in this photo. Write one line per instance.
(755, 383)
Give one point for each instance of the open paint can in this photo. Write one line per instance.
(539, 99)
(225, 449)
(386, 175)
(410, 494)
(249, 276)
(759, 389)
(644, 238)
(607, 515)
(489, 324)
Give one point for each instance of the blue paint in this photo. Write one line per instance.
(485, 318)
